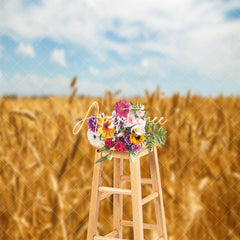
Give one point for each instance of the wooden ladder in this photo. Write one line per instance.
(101, 192)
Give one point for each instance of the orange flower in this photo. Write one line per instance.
(104, 129)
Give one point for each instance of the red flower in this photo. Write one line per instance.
(120, 147)
(109, 143)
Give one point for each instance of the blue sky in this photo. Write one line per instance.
(128, 45)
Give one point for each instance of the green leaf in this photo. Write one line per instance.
(146, 126)
(106, 157)
(132, 156)
(104, 148)
(146, 120)
(149, 141)
(145, 115)
(109, 156)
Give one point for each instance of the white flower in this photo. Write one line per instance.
(94, 138)
(138, 129)
(114, 113)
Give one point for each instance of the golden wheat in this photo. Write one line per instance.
(46, 171)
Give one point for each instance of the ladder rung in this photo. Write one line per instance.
(104, 195)
(149, 197)
(115, 190)
(143, 180)
(145, 225)
(112, 234)
(107, 238)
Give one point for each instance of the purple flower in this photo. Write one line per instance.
(127, 140)
(126, 148)
(136, 148)
(92, 123)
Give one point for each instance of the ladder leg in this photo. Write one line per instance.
(117, 198)
(94, 204)
(158, 202)
(135, 175)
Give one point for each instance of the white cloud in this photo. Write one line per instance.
(32, 84)
(25, 50)
(94, 71)
(127, 87)
(58, 57)
(87, 86)
(3, 83)
(98, 88)
(144, 62)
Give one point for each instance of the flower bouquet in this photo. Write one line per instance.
(126, 130)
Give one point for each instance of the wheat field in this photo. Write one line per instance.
(46, 171)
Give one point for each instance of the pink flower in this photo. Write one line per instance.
(140, 122)
(140, 113)
(131, 120)
(122, 108)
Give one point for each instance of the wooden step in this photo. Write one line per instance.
(107, 238)
(149, 198)
(143, 180)
(112, 234)
(104, 195)
(115, 190)
(145, 225)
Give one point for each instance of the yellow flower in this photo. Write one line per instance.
(137, 139)
(104, 129)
